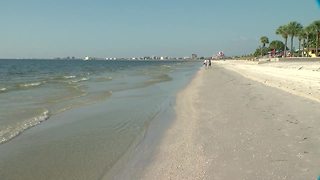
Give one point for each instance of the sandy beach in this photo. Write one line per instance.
(243, 120)
(299, 78)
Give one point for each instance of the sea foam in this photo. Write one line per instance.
(10, 132)
(79, 80)
(69, 77)
(27, 85)
(3, 89)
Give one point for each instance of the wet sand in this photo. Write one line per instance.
(231, 127)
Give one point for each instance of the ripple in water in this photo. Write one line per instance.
(29, 85)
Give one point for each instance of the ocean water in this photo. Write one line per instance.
(77, 119)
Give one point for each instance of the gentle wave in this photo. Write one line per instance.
(62, 78)
(11, 132)
(79, 80)
(69, 77)
(3, 90)
(165, 66)
(32, 84)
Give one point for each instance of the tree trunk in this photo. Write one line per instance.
(317, 44)
(291, 46)
(308, 46)
(299, 54)
(304, 46)
(285, 47)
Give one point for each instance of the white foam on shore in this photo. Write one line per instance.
(10, 132)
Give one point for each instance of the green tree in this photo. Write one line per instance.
(309, 32)
(264, 40)
(316, 30)
(283, 31)
(260, 51)
(302, 37)
(277, 45)
(293, 30)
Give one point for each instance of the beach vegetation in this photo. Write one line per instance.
(261, 51)
(293, 29)
(315, 27)
(283, 31)
(277, 45)
(264, 40)
(302, 39)
(308, 39)
(309, 32)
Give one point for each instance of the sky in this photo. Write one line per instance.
(132, 28)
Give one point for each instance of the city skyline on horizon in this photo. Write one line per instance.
(45, 29)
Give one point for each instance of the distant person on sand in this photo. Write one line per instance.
(205, 63)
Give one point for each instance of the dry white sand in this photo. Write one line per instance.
(230, 127)
(299, 78)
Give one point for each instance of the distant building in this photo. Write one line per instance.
(220, 55)
(194, 56)
(86, 58)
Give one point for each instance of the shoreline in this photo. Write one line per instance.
(173, 158)
(134, 163)
(230, 127)
(222, 125)
(89, 141)
(131, 164)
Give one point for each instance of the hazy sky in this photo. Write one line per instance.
(125, 28)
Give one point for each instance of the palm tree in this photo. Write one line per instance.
(301, 37)
(293, 30)
(316, 29)
(276, 45)
(283, 31)
(308, 31)
(264, 40)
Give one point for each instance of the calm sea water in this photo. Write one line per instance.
(76, 119)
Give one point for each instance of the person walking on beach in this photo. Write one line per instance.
(205, 63)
